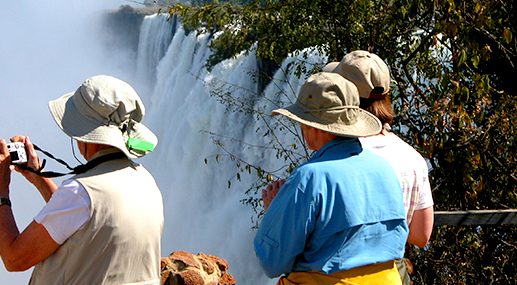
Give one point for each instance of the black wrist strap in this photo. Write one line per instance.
(5, 201)
(76, 170)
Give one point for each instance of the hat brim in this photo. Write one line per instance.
(365, 125)
(79, 127)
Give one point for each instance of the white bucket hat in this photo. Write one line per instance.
(329, 102)
(105, 110)
(366, 70)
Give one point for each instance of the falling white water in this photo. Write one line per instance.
(155, 39)
(201, 213)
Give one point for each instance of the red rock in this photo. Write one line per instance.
(184, 268)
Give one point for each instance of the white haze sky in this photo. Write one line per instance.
(47, 49)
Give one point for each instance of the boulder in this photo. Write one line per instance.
(184, 268)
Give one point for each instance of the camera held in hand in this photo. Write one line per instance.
(17, 151)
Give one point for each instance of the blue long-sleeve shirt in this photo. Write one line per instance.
(341, 209)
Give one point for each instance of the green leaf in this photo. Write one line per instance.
(475, 61)
(465, 94)
(507, 34)
(462, 57)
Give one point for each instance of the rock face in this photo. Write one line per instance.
(184, 268)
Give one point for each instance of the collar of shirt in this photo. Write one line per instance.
(351, 146)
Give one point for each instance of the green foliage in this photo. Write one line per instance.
(453, 70)
(467, 255)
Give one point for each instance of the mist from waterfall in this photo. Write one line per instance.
(201, 213)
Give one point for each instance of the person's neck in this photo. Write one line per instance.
(321, 139)
(92, 149)
(385, 131)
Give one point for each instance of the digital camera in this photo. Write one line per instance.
(17, 151)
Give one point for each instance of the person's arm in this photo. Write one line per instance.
(19, 252)
(282, 234)
(46, 186)
(421, 227)
(422, 222)
(22, 251)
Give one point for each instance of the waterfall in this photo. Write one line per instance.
(201, 213)
(155, 38)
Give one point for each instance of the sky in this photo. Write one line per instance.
(47, 49)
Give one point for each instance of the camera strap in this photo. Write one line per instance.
(75, 170)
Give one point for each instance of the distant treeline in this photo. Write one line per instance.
(195, 2)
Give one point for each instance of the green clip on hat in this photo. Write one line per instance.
(105, 110)
(329, 102)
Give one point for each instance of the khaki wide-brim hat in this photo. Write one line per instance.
(366, 70)
(329, 102)
(105, 110)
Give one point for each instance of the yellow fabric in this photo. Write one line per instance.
(382, 273)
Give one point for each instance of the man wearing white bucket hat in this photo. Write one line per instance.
(372, 77)
(336, 218)
(103, 225)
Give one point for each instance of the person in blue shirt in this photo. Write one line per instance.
(336, 219)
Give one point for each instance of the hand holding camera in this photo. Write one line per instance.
(23, 156)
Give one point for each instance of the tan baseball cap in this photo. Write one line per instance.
(366, 70)
(329, 102)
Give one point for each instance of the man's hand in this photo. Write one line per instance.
(270, 192)
(5, 169)
(46, 186)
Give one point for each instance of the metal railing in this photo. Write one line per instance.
(476, 217)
